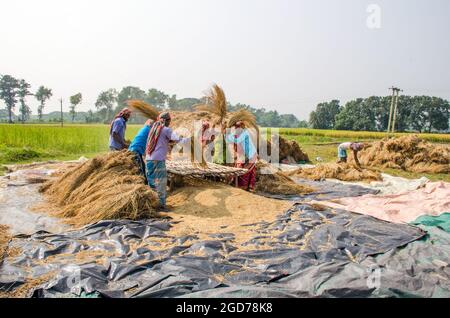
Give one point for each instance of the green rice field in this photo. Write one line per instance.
(26, 143)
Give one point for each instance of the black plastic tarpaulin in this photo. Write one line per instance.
(307, 251)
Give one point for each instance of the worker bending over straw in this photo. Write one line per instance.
(354, 146)
(245, 155)
(156, 152)
(117, 130)
(138, 145)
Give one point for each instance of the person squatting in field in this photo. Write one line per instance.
(156, 152)
(354, 146)
(138, 144)
(117, 130)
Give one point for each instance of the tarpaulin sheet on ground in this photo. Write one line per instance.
(305, 245)
(432, 199)
(326, 190)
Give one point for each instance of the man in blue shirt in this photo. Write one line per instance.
(117, 130)
(138, 145)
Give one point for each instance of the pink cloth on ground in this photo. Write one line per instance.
(433, 199)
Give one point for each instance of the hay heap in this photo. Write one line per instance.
(4, 240)
(408, 153)
(290, 150)
(342, 171)
(105, 187)
(270, 180)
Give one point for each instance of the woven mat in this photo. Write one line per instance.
(187, 168)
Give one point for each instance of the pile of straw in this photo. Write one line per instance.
(342, 171)
(408, 153)
(105, 187)
(288, 150)
(270, 180)
(4, 240)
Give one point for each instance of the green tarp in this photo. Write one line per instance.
(442, 221)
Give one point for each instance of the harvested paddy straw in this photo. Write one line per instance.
(143, 108)
(342, 171)
(4, 240)
(216, 103)
(105, 187)
(408, 153)
(270, 180)
(288, 150)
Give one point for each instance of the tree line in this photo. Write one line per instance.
(15, 91)
(415, 113)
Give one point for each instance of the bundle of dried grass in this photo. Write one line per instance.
(146, 110)
(270, 180)
(408, 153)
(105, 187)
(216, 103)
(245, 116)
(342, 171)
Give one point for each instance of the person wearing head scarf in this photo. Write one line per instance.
(354, 146)
(117, 130)
(245, 155)
(159, 137)
(138, 144)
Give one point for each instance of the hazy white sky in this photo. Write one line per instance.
(279, 54)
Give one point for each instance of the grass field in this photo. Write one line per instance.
(27, 143)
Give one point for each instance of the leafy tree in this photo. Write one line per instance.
(324, 115)
(356, 115)
(42, 95)
(127, 93)
(8, 92)
(156, 98)
(23, 92)
(303, 124)
(75, 100)
(106, 101)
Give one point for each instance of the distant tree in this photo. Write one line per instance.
(172, 102)
(23, 92)
(106, 101)
(303, 124)
(9, 87)
(324, 115)
(75, 100)
(127, 93)
(355, 116)
(42, 95)
(156, 98)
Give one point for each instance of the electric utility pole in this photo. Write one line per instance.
(62, 121)
(393, 109)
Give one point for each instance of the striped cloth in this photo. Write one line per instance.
(157, 179)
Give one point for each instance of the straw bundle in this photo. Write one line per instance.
(245, 116)
(216, 103)
(143, 108)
